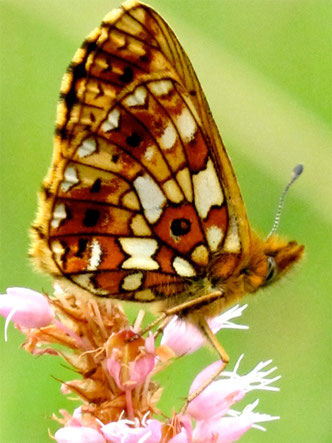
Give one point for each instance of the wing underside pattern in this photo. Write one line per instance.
(136, 201)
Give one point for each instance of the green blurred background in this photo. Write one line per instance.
(265, 66)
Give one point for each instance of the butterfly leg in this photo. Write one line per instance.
(191, 304)
(205, 328)
(162, 326)
(156, 322)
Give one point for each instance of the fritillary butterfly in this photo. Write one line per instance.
(141, 202)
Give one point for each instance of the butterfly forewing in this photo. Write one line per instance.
(141, 193)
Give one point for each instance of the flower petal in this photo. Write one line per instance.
(78, 434)
(28, 308)
(114, 368)
(141, 368)
(220, 430)
(181, 337)
(184, 338)
(204, 375)
(181, 437)
(121, 432)
(155, 427)
(216, 399)
(149, 344)
(222, 321)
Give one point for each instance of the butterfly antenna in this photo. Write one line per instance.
(297, 171)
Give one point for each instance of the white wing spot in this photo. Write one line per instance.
(151, 197)
(149, 153)
(214, 236)
(132, 282)
(88, 147)
(59, 214)
(145, 295)
(183, 267)
(191, 106)
(130, 201)
(95, 256)
(200, 255)
(58, 251)
(140, 251)
(161, 87)
(186, 125)
(70, 179)
(183, 178)
(137, 49)
(137, 98)
(172, 191)
(138, 13)
(85, 281)
(207, 190)
(113, 15)
(232, 240)
(112, 121)
(139, 226)
(168, 139)
(127, 23)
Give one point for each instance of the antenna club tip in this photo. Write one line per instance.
(298, 170)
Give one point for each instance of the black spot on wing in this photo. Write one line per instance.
(78, 71)
(82, 245)
(96, 186)
(134, 139)
(91, 218)
(61, 132)
(127, 76)
(180, 226)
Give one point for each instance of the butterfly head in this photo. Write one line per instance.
(281, 255)
(270, 260)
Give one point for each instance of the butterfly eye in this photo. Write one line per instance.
(271, 269)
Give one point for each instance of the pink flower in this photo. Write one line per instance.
(186, 432)
(228, 389)
(185, 338)
(125, 431)
(100, 350)
(229, 429)
(181, 337)
(217, 398)
(220, 430)
(76, 418)
(78, 434)
(182, 437)
(26, 307)
(130, 363)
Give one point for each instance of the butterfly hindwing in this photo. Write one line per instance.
(141, 193)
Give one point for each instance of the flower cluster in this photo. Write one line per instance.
(119, 396)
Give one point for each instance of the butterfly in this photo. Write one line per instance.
(141, 202)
